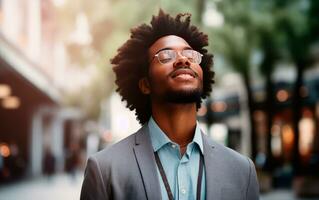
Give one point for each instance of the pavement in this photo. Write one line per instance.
(282, 195)
(60, 186)
(65, 187)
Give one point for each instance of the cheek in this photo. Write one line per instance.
(202, 76)
(158, 73)
(156, 77)
(199, 71)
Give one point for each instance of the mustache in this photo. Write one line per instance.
(183, 70)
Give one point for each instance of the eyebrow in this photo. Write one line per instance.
(169, 48)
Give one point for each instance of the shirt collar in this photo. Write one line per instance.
(159, 138)
(198, 138)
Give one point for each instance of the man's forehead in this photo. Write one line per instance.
(169, 41)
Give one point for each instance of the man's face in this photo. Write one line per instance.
(177, 81)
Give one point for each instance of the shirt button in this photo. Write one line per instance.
(183, 191)
(174, 146)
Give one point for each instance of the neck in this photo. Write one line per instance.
(178, 121)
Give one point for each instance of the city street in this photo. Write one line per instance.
(75, 79)
(64, 187)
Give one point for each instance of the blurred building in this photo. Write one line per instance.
(116, 121)
(277, 149)
(33, 120)
(225, 116)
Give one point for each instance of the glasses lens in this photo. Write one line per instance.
(166, 56)
(192, 56)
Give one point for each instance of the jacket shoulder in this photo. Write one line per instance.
(235, 170)
(227, 155)
(113, 173)
(115, 151)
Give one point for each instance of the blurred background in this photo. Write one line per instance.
(58, 105)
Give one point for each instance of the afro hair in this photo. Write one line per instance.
(132, 63)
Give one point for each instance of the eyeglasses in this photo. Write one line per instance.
(169, 55)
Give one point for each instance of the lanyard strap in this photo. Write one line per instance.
(199, 179)
(166, 184)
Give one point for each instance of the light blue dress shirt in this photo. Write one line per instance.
(181, 172)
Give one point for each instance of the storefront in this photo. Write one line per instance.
(28, 107)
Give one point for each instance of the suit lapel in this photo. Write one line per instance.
(146, 161)
(213, 185)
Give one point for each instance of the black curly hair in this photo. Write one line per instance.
(132, 62)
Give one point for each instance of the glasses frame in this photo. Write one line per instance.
(177, 52)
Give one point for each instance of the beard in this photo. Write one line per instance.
(183, 97)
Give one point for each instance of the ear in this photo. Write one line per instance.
(144, 86)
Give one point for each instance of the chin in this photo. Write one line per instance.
(183, 96)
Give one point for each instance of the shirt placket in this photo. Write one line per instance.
(183, 183)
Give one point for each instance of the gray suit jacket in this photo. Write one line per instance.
(127, 170)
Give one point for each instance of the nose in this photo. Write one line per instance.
(181, 61)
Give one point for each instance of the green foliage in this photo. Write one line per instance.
(235, 40)
(280, 29)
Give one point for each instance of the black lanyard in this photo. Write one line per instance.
(166, 184)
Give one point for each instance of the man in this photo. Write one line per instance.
(163, 71)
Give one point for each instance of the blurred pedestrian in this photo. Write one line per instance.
(72, 160)
(163, 72)
(1, 167)
(48, 163)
